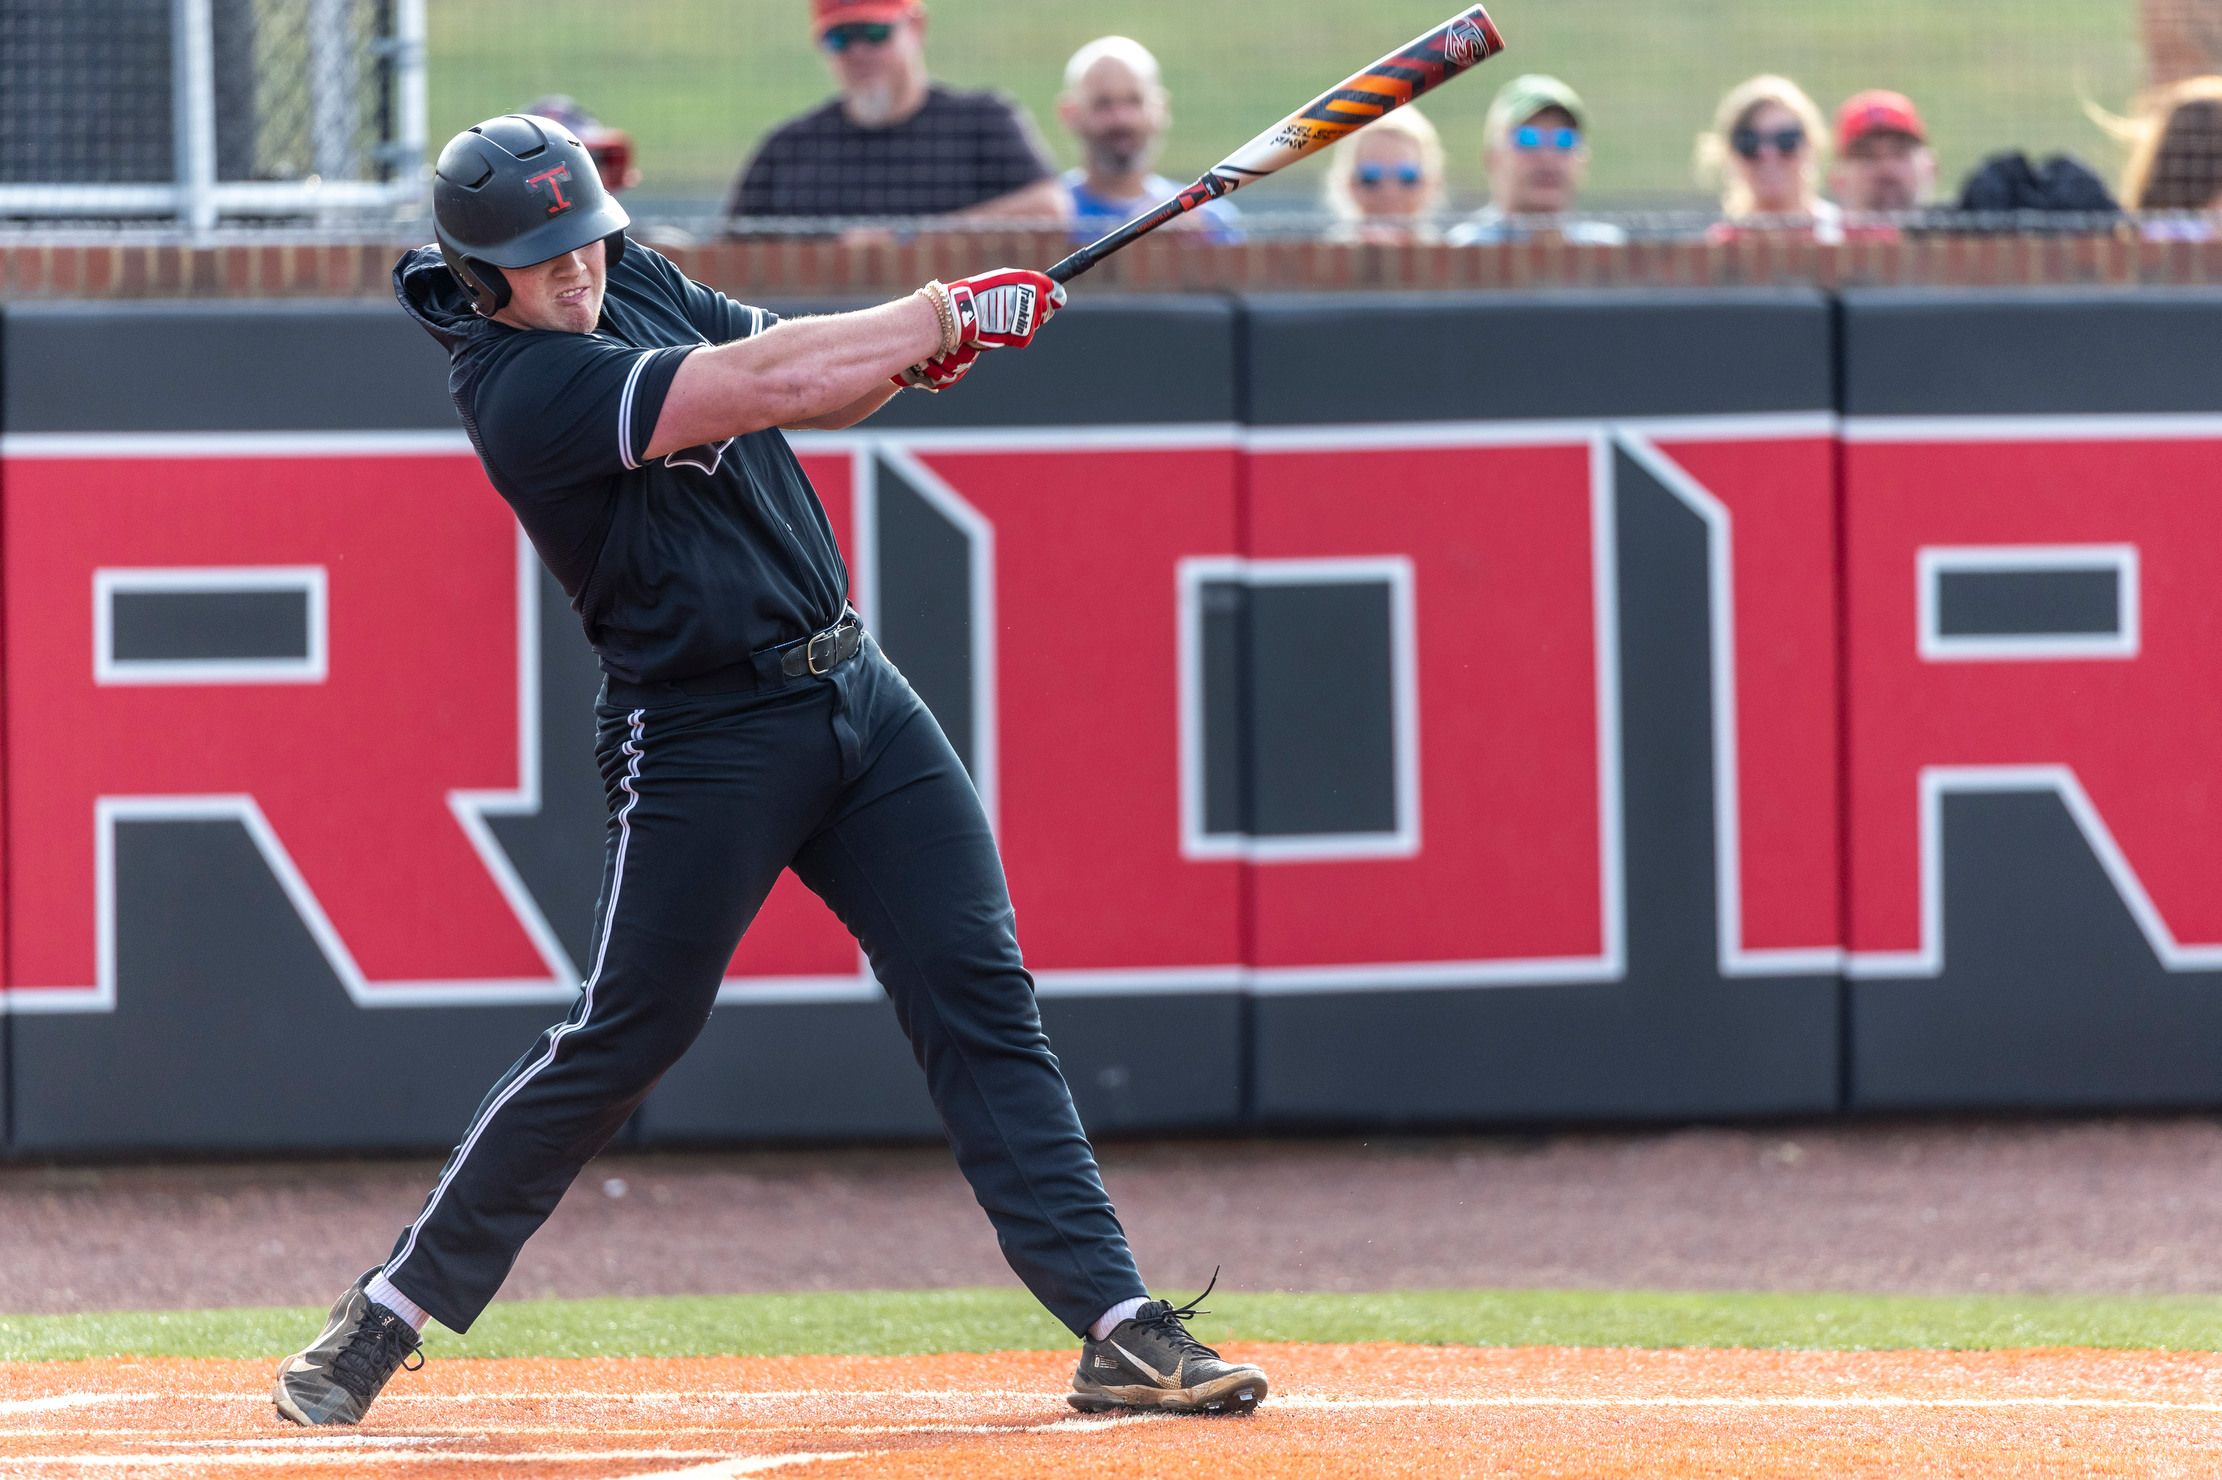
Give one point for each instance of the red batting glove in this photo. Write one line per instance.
(940, 372)
(1004, 309)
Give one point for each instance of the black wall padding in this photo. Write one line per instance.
(2032, 352)
(1350, 358)
(222, 367)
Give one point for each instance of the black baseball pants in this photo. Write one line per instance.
(849, 780)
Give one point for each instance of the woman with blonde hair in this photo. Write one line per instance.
(1765, 151)
(2175, 161)
(1385, 182)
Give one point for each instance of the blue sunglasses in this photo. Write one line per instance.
(870, 33)
(1528, 136)
(1370, 173)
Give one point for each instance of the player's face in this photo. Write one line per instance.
(563, 293)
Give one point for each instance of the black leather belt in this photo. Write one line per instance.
(771, 668)
(822, 652)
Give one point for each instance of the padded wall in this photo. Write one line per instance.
(2033, 495)
(1394, 710)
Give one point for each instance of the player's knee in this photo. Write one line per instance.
(648, 1043)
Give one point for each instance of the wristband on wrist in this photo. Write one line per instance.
(945, 309)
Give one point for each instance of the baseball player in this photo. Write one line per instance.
(747, 724)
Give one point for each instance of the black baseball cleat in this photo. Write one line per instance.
(1150, 1361)
(336, 1378)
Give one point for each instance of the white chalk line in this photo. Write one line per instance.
(481, 1431)
(736, 1467)
(728, 1469)
(543, 1395)
(304, 1441)
(69, 1400)
(292, 1455)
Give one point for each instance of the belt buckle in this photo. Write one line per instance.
(831, 638)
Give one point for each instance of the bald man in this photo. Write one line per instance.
(1116, 107)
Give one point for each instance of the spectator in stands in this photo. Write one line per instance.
(1385, 182)
(2017, 194)
(2175, 162)
(1116, 108)
(1765, 151)
(611, 149)
(1884, 165)
(1535, 149)
(895, 143)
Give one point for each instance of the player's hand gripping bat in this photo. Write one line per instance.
(1458, 45)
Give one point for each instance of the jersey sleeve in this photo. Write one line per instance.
(566, 409)
(1011, 153)
(719, 319)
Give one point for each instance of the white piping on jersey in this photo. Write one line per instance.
(637, 720)
(625, 411)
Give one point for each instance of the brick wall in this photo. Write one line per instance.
(804, 268)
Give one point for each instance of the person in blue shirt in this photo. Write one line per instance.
(1116, 107)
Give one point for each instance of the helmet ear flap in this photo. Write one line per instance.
(487, 284)
(613, 250)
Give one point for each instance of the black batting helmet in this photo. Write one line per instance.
(513, 191)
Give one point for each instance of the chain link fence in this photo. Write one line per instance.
(318, 112)
(700, 84)
(203, 110)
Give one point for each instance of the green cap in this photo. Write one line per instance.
(1527, 95)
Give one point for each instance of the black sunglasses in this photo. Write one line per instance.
(870, 33)
(1748, 141)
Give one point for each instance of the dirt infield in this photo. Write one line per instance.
(1336, 1411)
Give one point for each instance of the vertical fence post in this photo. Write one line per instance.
(409, 108)
(193, 64)
(332, 89)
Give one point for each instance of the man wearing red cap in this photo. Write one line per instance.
(894, 143)
(1884, 163)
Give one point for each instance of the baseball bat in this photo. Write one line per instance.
(1458, 45)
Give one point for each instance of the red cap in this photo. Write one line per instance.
(826, 14)
(1877, 111)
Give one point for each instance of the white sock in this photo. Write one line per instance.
(1109, 1320)
(382, 1292)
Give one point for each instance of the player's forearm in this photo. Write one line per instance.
(849, 415)
(793, 374)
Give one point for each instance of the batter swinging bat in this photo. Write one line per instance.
(1458, 45)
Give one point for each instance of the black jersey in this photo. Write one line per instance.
(960, 149)
(679, 566)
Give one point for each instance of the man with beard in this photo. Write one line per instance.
(1884, 164)
(895, 143)
(1116, 107)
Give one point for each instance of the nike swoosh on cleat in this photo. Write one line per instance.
(1160, 1378)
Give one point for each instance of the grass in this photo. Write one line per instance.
(698, 81)
(900, 1322)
